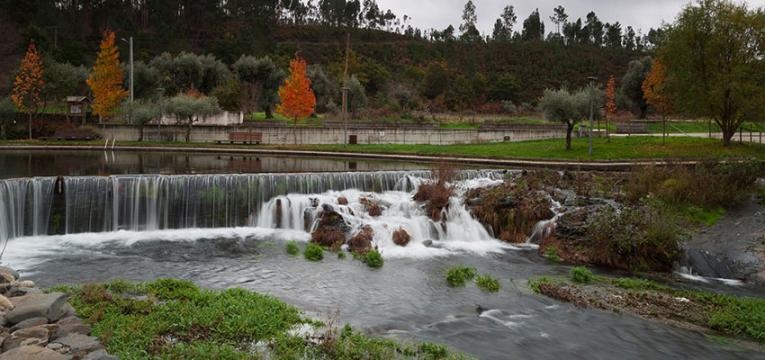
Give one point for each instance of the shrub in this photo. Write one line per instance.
(292, 248)
(534, 284)
(313, 252)
(373, 259)
(581, 275)
(551, 253)
(487, 283)
(458, 275)
(437, 192)
(341, 254)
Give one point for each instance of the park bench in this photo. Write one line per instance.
(72, 135)
(243, 138)
(631, 128)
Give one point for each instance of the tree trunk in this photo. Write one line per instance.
(269, 112)
(569, 130)
(29, 123)
(728, 134)
(140, 132)
(188, 130)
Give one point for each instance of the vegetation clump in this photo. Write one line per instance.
(292, 248)
(373, 259)
(581, 275)
(435, 194)
(551, 253)
(487, 283)
(313, 252)
(459, 275)
(401, 237)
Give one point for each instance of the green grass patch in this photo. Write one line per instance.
(534, 284)
(581, 275)
(459, 275)
(313, 252)
(638, 284)
(373, 259)
(341, 254)
(174, 319)
(703, 216)
(551, 253)
(487, 283)
(292, 248)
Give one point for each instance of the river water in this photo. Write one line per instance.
(135, 227)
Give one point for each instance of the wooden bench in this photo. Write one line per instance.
(72, 135)
(243, 138)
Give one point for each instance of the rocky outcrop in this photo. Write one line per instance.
(41, 326)
(331, 229)
(510, 210)
(372, 206)
(361, 243)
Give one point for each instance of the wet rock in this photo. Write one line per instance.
(5, 303)
(427, 243)
(30, 323)
(36, 335)
(401, 237)
(510, 211)
(33, 352)
(99, 355)
(80, 345)
(342, 200)
(361, 243)
(51, 306)
(71, 325)
(372, 206)
(331, 229)
(13, 273)
(21, 291)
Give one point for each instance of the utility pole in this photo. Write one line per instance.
(346, 88)
(592, 111)
(132, 91)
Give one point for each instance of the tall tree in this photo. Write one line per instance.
(469, 31)
(190, 106)
(631, 88)
(594, 29)
(533, 27)
(28, 85)
(503, 27)
(559, 17)
(714, 59)
(610, 101)
(105, 80)
(613, 35)
(655, 95)
(297, 99)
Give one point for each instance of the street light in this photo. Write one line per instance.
(161, 92)
(132, 92)
(592, 110)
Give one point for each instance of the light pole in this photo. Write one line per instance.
(161, 92)
(592, 110)
(132, 91)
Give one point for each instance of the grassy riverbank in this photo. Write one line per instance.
(174, 319)
(624, 148)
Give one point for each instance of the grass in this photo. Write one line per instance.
(534, 284)
(487, 283)
(551, 253)
(581, 275)
(701, 215)
(313, 252)
(292, 248)
(373, 259)
(621, 148)
(459, 275)
(638, 284)
(174, 319)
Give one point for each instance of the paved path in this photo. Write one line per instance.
(512, 163)
(746, 137)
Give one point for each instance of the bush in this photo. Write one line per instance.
(458, 275)
(581, 275)
(487, 283)
(341, 254)
(292, 248)
(373, 259)
(551, 253)
(313, 252)
(437, 192)
(534, 284)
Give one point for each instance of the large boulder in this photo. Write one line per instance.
(331, 228)
(36, 335)
(33, 352)
(51, 306)
(6, 270)
(71, 325)
(99, 355)
(35, 321)
(401, 237)
(361, 243)
(80, 345)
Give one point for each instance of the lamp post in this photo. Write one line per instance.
(161, 92)
(132, 92)
(592, 110)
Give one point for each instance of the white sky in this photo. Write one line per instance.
(640, 14)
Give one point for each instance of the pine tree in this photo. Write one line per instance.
(28, 84)
(297, 99)
(105, 80)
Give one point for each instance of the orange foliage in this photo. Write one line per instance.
(297, 99)
(653, 88)
(105, 80)
(29, 82)
(611, 97)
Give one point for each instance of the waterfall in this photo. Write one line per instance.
(157, 202)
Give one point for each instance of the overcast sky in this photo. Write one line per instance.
(640, 14)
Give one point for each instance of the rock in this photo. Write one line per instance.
(372, 206)
(57, 347)
(36, 335)
(35, 321)
(5, 303)
(401, 237)
(21, 291)
(342, 200)
(71, 325)
(80, 345)
(14, 274)
(331, 229)
(51, 306)
(24, 284)
(99, 355)
(33, 352)
(427, 243)
(361, 243)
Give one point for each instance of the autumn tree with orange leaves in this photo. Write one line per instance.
(610, 101)
(297, 99)
(28, 84)
(105, 80)
(653, 91)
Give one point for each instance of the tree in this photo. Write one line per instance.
(189, 107)
(714, 63)
(324, 88)
(504, 87)
(28, 85)
(631, 88)
(594, 29)
(653, 90)
(567, 108)
(613, 36)
(260, 79)
(436, 80)
(7, 116)
(63, 79)
(533, 27)
(610, 101)
(297, 99)
(105, 80)
(357, 99)
(559, 17)
(142, 113)
(468, 30)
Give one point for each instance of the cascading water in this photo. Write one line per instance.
(29, 207)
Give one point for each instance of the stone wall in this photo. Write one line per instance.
(336, 135)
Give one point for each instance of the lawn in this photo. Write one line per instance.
(677, 127)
